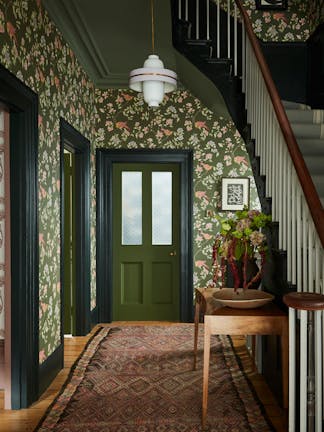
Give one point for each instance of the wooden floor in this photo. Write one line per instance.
(25, 420)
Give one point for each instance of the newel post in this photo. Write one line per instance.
(308, 307)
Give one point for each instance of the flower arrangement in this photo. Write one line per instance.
(240, 239)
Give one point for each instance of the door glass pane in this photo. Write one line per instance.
(131, 208)
(161, 208)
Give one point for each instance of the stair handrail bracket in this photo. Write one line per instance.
(311, 195)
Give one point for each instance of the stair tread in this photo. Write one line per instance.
(295, 105)
(305, 130)
(198, 42)
(305, 116)
(311, 146)
(315, 163)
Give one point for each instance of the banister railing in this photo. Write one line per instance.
(295, 202)
(305, 179)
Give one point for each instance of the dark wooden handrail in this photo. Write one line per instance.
(305, 179)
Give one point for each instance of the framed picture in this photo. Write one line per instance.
(271, 4)
(235, 193)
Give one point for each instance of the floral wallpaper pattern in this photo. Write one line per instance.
(33, 49)
(181, 122)
(291, 25)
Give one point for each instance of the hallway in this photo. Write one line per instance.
(26, 420)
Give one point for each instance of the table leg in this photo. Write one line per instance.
(205, 373)
(197, 312)
(285, 363)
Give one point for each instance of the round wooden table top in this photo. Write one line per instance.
(304, 301)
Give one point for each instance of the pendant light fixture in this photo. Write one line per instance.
(152, 79)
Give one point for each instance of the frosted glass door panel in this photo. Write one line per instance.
(161, 208)
(132, 208)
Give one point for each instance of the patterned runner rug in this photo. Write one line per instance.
(140, 379)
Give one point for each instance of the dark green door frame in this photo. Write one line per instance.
(105, 160)
(77, 144)
(23, 105)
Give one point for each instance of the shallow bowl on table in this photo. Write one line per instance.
(242, 299)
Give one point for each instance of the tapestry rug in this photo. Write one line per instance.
(140, 379)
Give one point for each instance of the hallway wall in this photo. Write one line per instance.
(181, 122)
(294, 24)
(33, 49)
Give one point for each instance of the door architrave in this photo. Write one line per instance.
(23, 106)
(105, 159)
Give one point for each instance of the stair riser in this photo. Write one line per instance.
(311, 147)
(308, 130)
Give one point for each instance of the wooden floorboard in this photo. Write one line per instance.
(26, 420)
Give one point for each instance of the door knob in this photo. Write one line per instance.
(174, 253)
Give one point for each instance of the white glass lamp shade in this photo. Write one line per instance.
(153, 80)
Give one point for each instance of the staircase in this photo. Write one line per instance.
(286, 147)
(222, 65)
(308, 127)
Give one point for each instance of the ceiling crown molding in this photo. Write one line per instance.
(73, 26)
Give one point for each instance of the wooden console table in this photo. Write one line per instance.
(266, 320)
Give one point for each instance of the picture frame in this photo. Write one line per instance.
(235, 193)
(271, 4)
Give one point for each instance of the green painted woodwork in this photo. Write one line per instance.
(69, 246)
(146, 280)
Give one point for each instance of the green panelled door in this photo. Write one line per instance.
(146, 262)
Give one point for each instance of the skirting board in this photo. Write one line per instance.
(50, 368)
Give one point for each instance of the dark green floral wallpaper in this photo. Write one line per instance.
(33, 49)
(181, 122)
(294, 24)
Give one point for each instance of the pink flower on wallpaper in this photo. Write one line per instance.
(201, 264)
(127, 96)
(41, 239)
(122, 125)
(201, 125)
(280, 16)
(56, 82)
(43, 306)
(207, 236)
(43, 192)
(206, 167)
(11, 30)
(240, 160)
(42, 356)
(167, 132)
(201, 194)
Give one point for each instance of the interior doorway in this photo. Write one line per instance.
(75, 232)
(106, 161)
(23, 299)
(146, 233)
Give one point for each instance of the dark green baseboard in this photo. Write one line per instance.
(50, 368)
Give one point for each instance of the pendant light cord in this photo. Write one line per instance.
(152, 19)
